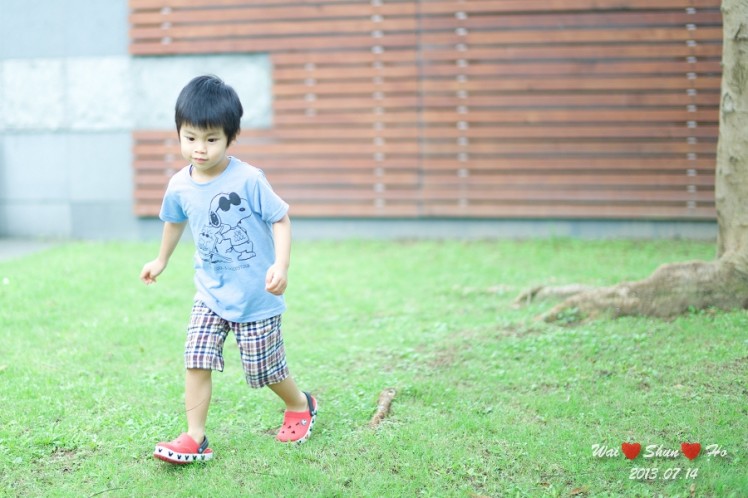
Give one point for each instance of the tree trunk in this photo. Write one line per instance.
(723, 283)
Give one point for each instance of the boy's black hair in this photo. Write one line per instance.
(208, 102)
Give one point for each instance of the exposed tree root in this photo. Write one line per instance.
(671, 290)
(384, 404)
(542, 292)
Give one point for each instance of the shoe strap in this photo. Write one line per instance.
(310, 403)
(203, 446)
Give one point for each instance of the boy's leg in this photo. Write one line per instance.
(203, 353)
(191, 446)
(197, 392)
(264, 360)
(291, 395)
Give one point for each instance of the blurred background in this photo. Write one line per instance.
(373, 119)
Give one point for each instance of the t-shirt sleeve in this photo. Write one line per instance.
(268, 204)
(171, 208)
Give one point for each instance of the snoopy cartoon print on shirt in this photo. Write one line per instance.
(227, 235)
(209, 241)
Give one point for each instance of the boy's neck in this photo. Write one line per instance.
(212, 174)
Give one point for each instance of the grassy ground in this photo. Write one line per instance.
(489, 402)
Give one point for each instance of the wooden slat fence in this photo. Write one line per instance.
(473, 108)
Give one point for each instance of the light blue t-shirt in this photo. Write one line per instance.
(231, 219)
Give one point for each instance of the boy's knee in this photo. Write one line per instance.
(199, 372)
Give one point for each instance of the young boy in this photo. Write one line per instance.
(243, 238)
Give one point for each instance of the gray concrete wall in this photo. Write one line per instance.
(70, 96)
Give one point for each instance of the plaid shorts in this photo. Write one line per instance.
(260, 345)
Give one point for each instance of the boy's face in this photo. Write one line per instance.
(205, 149)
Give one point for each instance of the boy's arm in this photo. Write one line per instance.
(276, 279)
(169, 240)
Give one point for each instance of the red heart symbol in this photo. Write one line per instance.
(631, 450)
(691, 450)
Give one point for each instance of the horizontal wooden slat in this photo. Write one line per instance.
(652, 69)
(555, 195)
(523, 179)
(401, 178)
(316, 209)
(440, 6)
(369, 118)
(631, 149)
(492, 148)
(576, 20)
(540, 131)
(334, 50)
(560, 211)
(513, 164)
(308, 80)
(591, 54)
(327, 27)
(302, 8)
(511, 92)
(640, 102)
(307, 148)
(553, 6)
(327, 194)
(516, 193)
(265, 44)
(263, 11)
(580, 116)
(611, 100)
(651, 131)
(575, 165)
(577, 37)
(403, 118)
(597, 84)
(365, 89)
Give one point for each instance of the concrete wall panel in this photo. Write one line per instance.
(121, 93)
(157, 81)
(53, 28)
(105, 220)
(34, 94)
(34, 168)
(39, 218)
(98, 93)
(99, 167)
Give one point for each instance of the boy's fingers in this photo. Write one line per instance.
(276, 286)
(147, 277)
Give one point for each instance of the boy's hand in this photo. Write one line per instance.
(276, 280)
(151, 270)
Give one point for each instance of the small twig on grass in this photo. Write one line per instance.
(105, 491)
(383, 406)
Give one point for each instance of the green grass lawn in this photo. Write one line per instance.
(489, 401)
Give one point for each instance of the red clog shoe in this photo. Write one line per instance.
(183, 450)
(297, 426)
